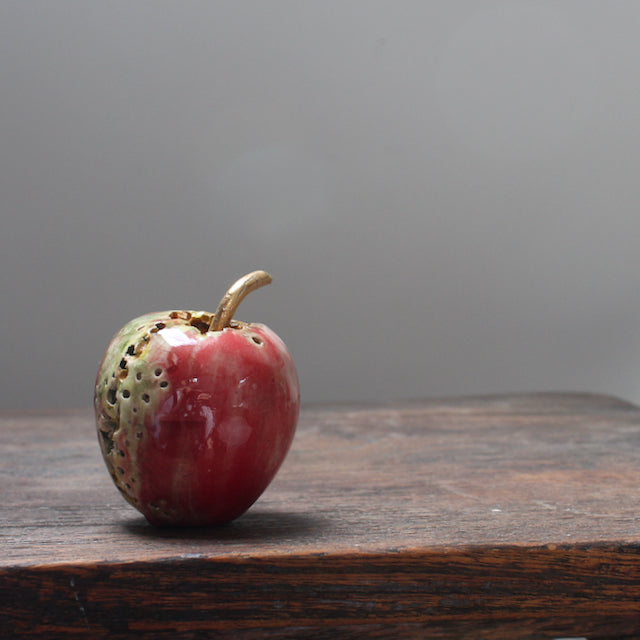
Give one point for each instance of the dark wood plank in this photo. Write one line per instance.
(491, 517)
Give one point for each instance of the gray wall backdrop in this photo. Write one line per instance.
(447, 193)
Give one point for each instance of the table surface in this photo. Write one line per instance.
(495, 517)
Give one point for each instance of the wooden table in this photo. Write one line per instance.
(494, 517)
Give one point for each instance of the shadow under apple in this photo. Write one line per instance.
(256, 526)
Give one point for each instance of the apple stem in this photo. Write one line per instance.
(237, 293)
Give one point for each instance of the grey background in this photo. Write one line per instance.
(447, 193)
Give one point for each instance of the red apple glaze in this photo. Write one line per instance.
(194, 423)
(223, 428)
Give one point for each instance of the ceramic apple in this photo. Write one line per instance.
(196, 411)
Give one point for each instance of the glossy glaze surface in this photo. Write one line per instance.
(194, 424)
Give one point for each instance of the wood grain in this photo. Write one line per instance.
(504, 517)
